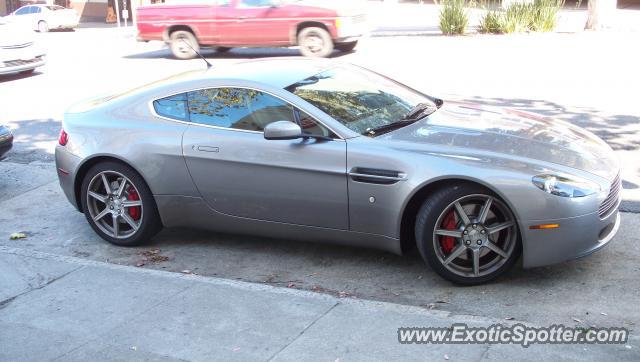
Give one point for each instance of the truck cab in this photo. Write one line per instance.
(317, 27)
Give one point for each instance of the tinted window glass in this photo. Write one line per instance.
(237, 108)
(256, 3)
(23, 11)
(358, 98)
(311, 126)
(174, 107)
(35, 9)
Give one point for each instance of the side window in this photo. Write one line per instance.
(35, 9)
(255, 3)
(174, 107)
(311, 126)
(23, 11)
(237, 108)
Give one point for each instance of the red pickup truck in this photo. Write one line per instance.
(316, 26)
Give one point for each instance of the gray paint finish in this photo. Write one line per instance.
(306, 190)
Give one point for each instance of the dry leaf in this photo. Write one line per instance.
(16, 236)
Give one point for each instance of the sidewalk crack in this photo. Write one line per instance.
(303, 330)
(6, 302)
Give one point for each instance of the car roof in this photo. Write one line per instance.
(274, 72)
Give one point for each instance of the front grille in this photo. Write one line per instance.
(611, 202)
(16, 63)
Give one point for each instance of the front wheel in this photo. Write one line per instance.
(315, 42)
(467, 234)
(119, 205)
(184, 44)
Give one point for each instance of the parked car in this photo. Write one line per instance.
(18, 51)
(317, 27)
(309, 149)
(42, 17)
(6, 141)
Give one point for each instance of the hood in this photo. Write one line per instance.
(512, 133)
(13, 35)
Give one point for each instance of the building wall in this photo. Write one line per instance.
(90, 10)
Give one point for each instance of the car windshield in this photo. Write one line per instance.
(360, 99)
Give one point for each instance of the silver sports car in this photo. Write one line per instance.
(316, 150)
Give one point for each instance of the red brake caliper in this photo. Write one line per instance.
(134, 212)
(449, 223)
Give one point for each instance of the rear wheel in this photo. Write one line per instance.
(43, 27)
(183, 44)
(467, 234)
(119, 205)
(347, 47)
(315, 42)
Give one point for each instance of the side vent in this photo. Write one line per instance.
(376, 176)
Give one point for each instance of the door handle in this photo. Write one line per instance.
(207, 148)
(241, 18)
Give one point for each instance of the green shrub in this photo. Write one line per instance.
(453, 17)
(545, 14)
(517, 17)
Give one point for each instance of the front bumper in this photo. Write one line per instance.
(67, 166)
(20, 65)
(574, 238)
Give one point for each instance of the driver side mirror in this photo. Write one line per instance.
(282, 130)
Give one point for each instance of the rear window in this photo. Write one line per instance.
(174, 107)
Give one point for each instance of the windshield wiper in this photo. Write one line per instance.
(419, 111)
(415, 114)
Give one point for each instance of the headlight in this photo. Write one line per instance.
(564, 186)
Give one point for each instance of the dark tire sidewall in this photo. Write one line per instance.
(426, 222)
(151, 220)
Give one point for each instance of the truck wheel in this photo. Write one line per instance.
(184, 44)
(315, 42)
(346, 47)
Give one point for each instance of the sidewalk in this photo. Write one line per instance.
(56, 307)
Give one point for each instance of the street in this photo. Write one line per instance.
(587, 79)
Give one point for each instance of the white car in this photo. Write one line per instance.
(18, 51)
(42, 17)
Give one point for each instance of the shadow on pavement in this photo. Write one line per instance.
(17, 76)
(235, 53)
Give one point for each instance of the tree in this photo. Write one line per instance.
(600, 13)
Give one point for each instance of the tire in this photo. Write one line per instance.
(28, 71)
(454, 258)
(146, 218)
(222, 49)
(347, 47)
(43, 27)
(178, 47)
(315, 42)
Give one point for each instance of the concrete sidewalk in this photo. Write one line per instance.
(66, 308)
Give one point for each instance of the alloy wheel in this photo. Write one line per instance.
(475, 235)
(114, 204)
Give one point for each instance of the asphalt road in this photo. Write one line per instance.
(588, 79)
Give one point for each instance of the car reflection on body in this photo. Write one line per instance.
(324, 151)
